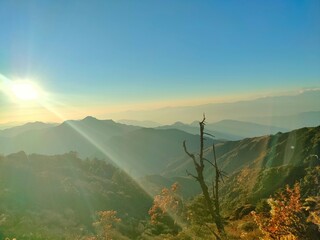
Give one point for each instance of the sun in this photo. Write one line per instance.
(25, 91)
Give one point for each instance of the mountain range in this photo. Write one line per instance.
(140, 151)
(263, 110)
(59, 189)
(153, 151)
(228, 129)
(16, 130)
(137, 150)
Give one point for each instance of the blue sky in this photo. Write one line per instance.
(143, 51)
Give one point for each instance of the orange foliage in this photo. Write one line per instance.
(105, 223)
(166, 202)
(286, 215)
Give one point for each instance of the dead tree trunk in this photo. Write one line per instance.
(212, 205)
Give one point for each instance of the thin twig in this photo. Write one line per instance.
(190, 154)
(190, 174)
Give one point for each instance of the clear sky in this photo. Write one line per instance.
(120, 53)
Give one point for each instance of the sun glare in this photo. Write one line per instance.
(25, 91)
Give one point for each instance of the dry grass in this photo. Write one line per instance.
(244, 228)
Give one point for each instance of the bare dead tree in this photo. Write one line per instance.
(212, 204)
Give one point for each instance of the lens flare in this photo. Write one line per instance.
(25, 91)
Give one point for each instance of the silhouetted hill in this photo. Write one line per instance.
(228, 129)
(145, 151)
(14, 131)
(243, 129)
(194, 129)
(87, 136)
(138, 150)
(148, 124)
(304, 119)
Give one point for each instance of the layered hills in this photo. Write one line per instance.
(139, 151)
(61, 190)
(146, 151)
(258, 165)
(228, 129)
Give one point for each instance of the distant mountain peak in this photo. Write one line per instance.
(140, 123)
(90, 118)
(21, 155)
(195, 123)
(178, 123)
(13, 131)
(34, 123)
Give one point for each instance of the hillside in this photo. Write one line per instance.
(288, 158)
(140, 151)
(256, 167)
(86, 136)
(42, 196)
(150, 151)
(259, 152)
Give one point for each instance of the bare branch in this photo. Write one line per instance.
(190, 154)
(221, 177)
(190, 174)
(223, 173)
(209, 134)
(209, 162)
(203, 119)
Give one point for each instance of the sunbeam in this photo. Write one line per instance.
(109, 153)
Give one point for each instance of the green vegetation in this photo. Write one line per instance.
(58, 197)
(66, 197)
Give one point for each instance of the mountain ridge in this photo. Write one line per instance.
(247, 110)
